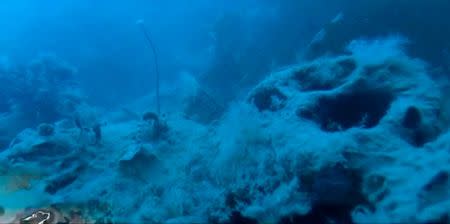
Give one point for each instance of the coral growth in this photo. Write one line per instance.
(343, 139)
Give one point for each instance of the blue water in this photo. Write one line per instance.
(289, 111)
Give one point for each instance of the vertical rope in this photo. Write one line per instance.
(155, 57)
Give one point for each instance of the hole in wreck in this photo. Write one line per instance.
(361, 107)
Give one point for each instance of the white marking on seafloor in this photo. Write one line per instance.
(35, 215)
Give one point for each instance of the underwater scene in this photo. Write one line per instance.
(222, 111)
